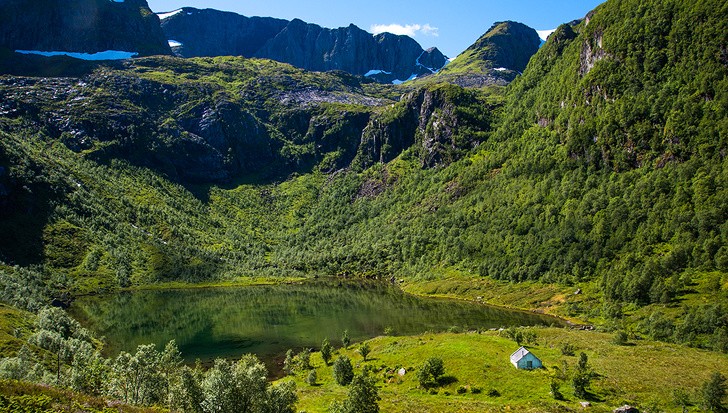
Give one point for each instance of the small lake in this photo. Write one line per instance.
(268, 320)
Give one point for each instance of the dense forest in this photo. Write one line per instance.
(603, 164)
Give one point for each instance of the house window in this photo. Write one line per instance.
(529, 364)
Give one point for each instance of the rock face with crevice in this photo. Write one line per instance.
(308, 46)
(86, 26)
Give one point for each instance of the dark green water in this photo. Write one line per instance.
(268, 320)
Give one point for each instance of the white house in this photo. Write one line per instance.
(524, 359)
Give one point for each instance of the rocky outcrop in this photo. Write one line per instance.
(87, 26)
(430, 120)
(308, 46)
(496, 58)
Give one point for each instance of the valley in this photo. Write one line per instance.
(238, 204)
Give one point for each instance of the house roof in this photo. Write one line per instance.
(519, 354)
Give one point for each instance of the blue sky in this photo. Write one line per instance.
(450, 25)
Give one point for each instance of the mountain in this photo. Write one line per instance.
(209, 32)
(81, 26)
(495, 58)
(384, 57)
(603, 165)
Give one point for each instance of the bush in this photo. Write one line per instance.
(345, 340)
(462, 390)
(312, 377)
(304, 359)
(556, 390)
(364, 350)
(568, 349)
(343, 371)
(430, 372)
(493, 393)
(476, 390)
(326, 351)
(620, 338)
(713, 392)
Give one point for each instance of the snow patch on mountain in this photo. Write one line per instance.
(174, 43)
(163, 16)
(375, 72)
(399, 82)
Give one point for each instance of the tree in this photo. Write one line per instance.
(326, 351)
(281, 398)
(238, 387)
(343, 370)
(582, 376)
(312, 377)
(219, 388)
(137, 378)
(304, 359)
(363, 396)
(345, 340)
(713, 392)
(430, 372)
(556, 390)
(289, 362)
(186, 394)
(364, 350)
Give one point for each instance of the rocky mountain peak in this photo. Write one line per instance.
(496, 57)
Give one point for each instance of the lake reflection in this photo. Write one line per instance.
(268, 320)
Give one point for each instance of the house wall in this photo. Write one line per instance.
(523, 362)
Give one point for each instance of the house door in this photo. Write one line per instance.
(529, 364)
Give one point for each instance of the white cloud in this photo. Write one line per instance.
(409, 29)
(544, 34)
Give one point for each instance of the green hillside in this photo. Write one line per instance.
(608, 166)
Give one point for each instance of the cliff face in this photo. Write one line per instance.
(87, 26)
(308, 46)
(211, 32)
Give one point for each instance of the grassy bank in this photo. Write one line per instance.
(552, 299)
(642, 373)
(234, 282)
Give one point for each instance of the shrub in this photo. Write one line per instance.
(462, 390)
(476, 390)
(312, 377)
(713, 392)
(493, 393)
(345, 340)
(364, 350)
(556, 390)
(304, 359)
(430, 372)
(326, 351)
(343, 370)
(568, 349)
(620, 338)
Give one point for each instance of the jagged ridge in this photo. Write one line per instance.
(309, 46)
